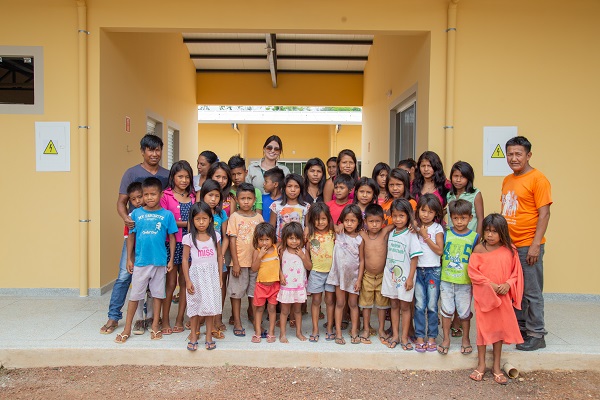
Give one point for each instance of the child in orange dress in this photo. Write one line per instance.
(497, 277)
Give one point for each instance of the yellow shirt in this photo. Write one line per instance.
(321, 251)
(269, 267)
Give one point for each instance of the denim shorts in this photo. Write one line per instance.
(456, 298)
(316, 283)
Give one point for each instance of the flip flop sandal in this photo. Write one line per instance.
(264, 334)
(167, 331)
(456, 332)
(365, 340)
(313, 338)
(217, 334)
(431, 347)
(476, 375)
(120, 339)
(500, 378)
(155, 335)
(421, 347)
(293, 323)
(139, 327)
(255, 339)
(384, 340)
(108, 329)
(345, 324)
(466, 350)
(443, 350)
(210, 345)
(178, 329)
(192, 346)
(221, 327)
(406, 346)
(340, 340)
(355, 339)
(392, 344)
(372, 332)
(241, 332)
(329, 336)
(271, 339)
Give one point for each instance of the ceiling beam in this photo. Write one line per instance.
(281, 57)
(224, 40)
(283, 71)
(327, 41)
(272, 56)
(324, 58)
(227, 56)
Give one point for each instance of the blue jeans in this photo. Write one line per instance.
(427, 293)
(119, 291)
(531, 314)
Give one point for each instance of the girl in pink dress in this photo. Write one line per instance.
(294, 263)
(497, 278)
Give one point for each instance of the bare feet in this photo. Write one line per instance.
(301, 337)
(283, 339)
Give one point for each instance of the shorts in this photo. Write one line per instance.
(148, 276)
(456, 297)
(370, 292)
(265, 293)
(316, 283)
(242, 285)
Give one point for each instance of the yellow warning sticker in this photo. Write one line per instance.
(50, 148)
(498, 153)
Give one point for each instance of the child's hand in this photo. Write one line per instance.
(129, 222)
(282, 281)
(413, 228)
(235, 271)
(190, 288)
(299, 253)
(262, 251)
(339, 229)
(130, 266)
(494, 287)
(503, 289)
(170, 266)
(409, 284)
(357, 286)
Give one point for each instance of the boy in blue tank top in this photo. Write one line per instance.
(456, 291)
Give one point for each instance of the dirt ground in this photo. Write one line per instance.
(133, 382)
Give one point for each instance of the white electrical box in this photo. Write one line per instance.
(52, 146)
(494, 149)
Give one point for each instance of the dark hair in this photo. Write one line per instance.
(349, 153)
(246, 187)
(298, 179)
(430, 200)
(210, 156)
(352, 209)
(408, 163)
(519, 141)
(214, 168)
(236, 162)
(334, 159)
(208, 186)
(276, 175)
(150, 141)
(460, 207)
(134, 187)
(401, 175)
(498, 222)
(313, 213)
(312, 163)
(344, 179)
(380, 166)
(404, 206)
(152, 182)
(264, 229)
(439, 179)
(274, 138)
(196, 209)
(364, 181)
(181, 165)
(465, 170)
(292, 229)
(374, 210)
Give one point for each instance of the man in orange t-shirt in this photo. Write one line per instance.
(526, 200)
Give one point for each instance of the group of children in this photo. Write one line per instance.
(365, 243)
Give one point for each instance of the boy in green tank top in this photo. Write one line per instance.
(455, 286)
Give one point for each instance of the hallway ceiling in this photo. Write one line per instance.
(277, 53)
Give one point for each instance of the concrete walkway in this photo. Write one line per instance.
(49, 332)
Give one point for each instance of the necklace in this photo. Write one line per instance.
(369, 235)
(181, 194)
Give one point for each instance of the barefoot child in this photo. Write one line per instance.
(240, 230)
(375, 239)
(497, 277)
(399, 273)
(148, 266)
(321, 238)
(203, 278)
(265, 262)
(455, 286)
(347, 270)
(294, 263)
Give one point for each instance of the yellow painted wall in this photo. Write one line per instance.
(220, 138)
(40, 239)
(141, 73)
(349, 137)
(292, 89)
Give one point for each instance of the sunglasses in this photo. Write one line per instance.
(271, 148)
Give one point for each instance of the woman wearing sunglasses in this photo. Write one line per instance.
(272, 149)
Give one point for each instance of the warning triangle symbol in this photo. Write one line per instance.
(50, 148)
(498, 153)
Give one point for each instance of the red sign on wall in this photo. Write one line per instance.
(127, 124)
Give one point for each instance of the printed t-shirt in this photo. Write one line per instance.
(522, 197)
(429, 258)
(470, 197)
(151, 230)
(288, 213)
(455, 260)
(242, 228)
(321, 251)
(218, 221)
